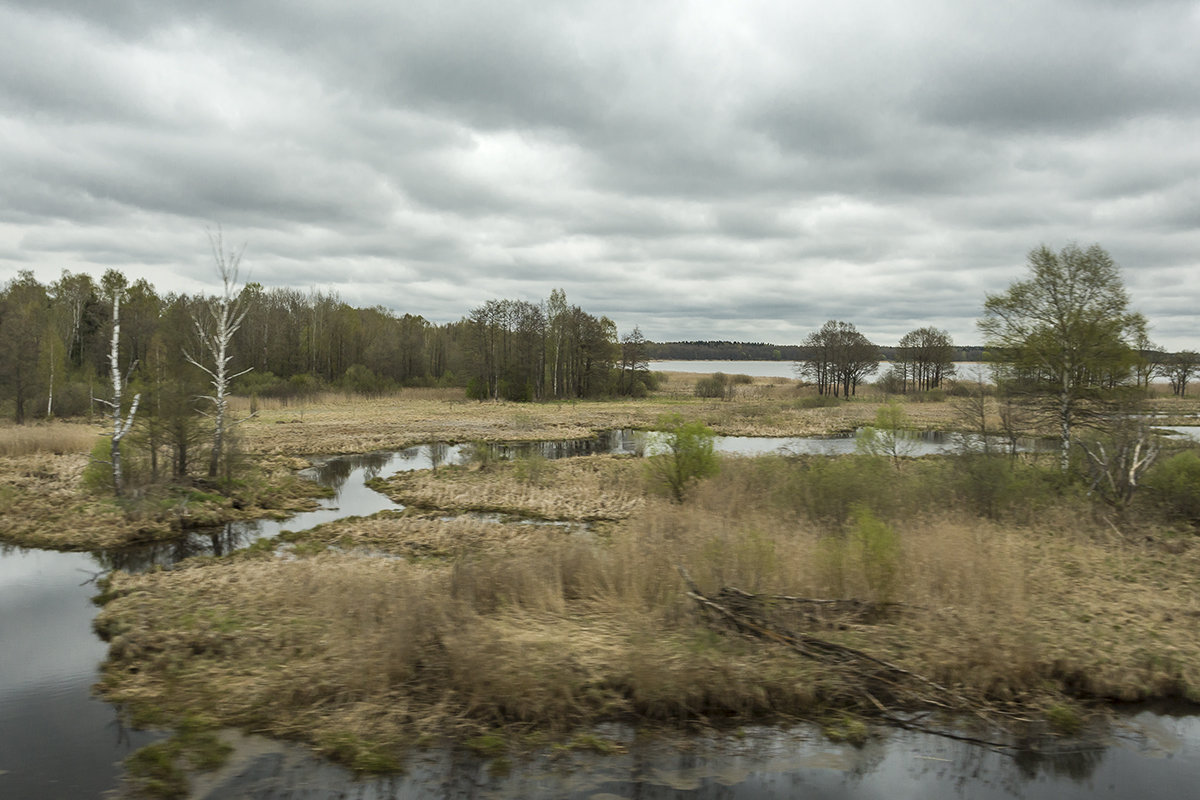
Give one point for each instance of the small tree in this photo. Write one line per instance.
(1063, 335)
(216, 330)
(688, 456)
(886, 437)
(1117, 462)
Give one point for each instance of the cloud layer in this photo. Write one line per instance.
(729, 170)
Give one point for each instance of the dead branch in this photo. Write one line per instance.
(875, 677)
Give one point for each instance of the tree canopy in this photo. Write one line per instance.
(1065, 334)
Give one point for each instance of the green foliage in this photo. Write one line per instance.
(820, 401)
(1063, 335)
(826, 489)
(1173, 486)
(1064, 719)
(156, 769)
(362, 380)
(98, 474)
(153, 771)
(489, 745)
(876, 548)
(531, 468)
(886, 438)
(689, 456)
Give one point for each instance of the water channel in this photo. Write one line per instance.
(57, 741)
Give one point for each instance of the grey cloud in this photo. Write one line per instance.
(703, 171)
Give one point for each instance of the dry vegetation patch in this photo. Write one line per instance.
(347, 424)
(44, 503)
(518, 628)
(422, 535)
(586, 488)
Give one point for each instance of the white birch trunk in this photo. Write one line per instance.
(120, 427)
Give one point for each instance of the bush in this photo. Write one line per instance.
(362, 380)
(820, 401)
(712, 386)
(689, 456)
(1174, 486)
(890, 382)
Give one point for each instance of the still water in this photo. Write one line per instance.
(56, 741)
(783, 369)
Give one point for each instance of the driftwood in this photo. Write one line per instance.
(888, 692)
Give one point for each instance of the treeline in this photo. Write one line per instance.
(722, 351)
(758, 351)
(55, 343)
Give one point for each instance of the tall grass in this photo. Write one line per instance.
(1011, 594)
(47, 437)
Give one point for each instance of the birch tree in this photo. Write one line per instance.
(216, 321)
(1064, 335)
(114, 286)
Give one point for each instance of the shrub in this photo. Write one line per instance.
(820, 401)
(712, 386)
(877, 550)
(1174, 485)
(689, 456)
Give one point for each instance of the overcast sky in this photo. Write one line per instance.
(705, 170)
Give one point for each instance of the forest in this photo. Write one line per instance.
(55, 343)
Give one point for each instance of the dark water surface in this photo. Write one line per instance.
(56, 741)
(1150, 755)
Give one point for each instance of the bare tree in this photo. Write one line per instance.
(926, 357)
(1118, 462)
(216, 330)
(837, 358)
(1179, 368)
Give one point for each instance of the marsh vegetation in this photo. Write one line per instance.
(997, 577)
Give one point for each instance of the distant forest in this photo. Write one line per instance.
(757, 351)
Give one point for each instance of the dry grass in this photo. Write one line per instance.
(579, 489)
(56, 438)
(43, 503)
(421, 535)
(347, 424)
(491, 625)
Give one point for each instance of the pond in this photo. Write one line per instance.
(58, 741)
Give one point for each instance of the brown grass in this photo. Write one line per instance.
(588, 488)
(346, 424)
(43, 503)
(489, 625)
(48, 437)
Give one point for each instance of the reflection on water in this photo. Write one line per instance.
(56, 740)
(759, 762)
(1190, 432)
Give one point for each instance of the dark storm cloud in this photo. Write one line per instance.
(721, 170)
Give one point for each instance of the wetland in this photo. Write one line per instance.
(485, 612)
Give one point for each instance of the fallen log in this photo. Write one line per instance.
(903, 688)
